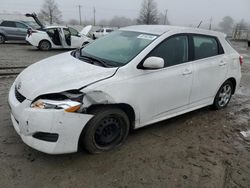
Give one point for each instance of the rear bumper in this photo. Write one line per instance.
(28, 121)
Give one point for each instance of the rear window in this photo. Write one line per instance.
(205, 46)
(8, 24)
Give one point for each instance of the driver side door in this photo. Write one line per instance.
(164, 92)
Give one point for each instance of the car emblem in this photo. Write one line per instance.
(19, 85)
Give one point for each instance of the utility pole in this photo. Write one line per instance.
(80, 14)
(94, 15)
(165, 19)
(210, 25)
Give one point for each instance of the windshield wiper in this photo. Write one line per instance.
(93, 59)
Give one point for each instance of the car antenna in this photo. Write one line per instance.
(199, 24)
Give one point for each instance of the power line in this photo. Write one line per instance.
(80, 14)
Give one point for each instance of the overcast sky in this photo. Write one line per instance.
(180, 12)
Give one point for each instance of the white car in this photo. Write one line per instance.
(102, 32)
(57, 37)
(134, 77)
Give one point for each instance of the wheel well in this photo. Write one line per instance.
(125, 107)
(233, 82)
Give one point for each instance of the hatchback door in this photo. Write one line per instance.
(210, 68)
(165, 91)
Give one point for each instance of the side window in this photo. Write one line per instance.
(109, 30)
(8, 24)
(174, 50)
(102, 30)
(73, 32)
(205, 46)
(20, 25)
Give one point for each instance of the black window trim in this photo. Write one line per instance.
(13, 22)
(220, 48)
(190, 57)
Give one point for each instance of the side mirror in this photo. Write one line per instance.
(154, 63)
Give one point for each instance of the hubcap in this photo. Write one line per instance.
(45, 45)
(108, 131)
(225, 95)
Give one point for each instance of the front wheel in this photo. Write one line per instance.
(107, 130)
(223, 96)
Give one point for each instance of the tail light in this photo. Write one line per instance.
(241, 59)
(30, 31)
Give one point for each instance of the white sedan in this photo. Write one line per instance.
(58, 37)
(134, 77)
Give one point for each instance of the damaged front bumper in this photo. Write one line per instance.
(47, 130)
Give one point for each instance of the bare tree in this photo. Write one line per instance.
(163, 19)
(148, 13)
(226, 24)
(120, 21)
(50, 12)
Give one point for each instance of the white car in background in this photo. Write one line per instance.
(56, 37)
(102, 32)
(134, 77)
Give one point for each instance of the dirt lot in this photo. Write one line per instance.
(198, 149)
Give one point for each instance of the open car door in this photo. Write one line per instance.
(65, 37)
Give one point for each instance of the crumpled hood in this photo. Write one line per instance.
(59, 73)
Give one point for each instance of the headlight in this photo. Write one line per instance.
(70, 102)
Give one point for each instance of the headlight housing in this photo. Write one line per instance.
(70, 101)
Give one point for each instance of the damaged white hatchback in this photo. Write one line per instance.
(136, 76)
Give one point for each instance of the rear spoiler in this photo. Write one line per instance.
(34, 16)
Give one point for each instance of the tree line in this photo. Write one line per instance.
(148, 14)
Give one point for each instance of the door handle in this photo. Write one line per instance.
(222, 63)
(187, 72)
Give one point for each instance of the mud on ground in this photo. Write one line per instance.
(198, 149)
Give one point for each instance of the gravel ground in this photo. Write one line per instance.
(199, 149)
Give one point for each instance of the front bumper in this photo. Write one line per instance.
(28, 121)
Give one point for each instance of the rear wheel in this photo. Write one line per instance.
(44, 45)
(107, 130)
(223, 96)
(2, 39)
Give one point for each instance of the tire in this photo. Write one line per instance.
(223, 96)
(2, 39)
(44, 45)
(107, 130)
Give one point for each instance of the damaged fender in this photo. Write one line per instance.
(96, 97)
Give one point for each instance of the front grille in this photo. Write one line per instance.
(19, 96)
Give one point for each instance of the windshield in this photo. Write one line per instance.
(119, 47)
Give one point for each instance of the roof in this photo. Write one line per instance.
(161, 29)
(54, 26)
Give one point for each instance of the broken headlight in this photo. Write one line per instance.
(70, 101)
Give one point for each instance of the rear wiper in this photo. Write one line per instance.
(103, 63)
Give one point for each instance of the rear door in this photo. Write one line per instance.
(21, 30)
(210, 68)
